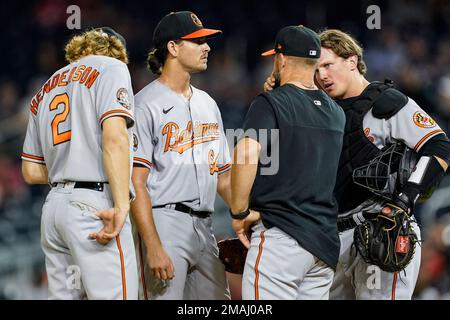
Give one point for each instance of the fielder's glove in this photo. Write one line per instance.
(232, 253)
(388, 240)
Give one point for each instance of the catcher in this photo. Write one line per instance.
(377, 115)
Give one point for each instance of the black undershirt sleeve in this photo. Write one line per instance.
(438, 146)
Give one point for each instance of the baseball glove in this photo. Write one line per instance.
(232, 253)
(388, 240)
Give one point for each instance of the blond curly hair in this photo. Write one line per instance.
(95, 42)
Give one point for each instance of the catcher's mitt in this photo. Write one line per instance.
(387, 241)
(232, 253)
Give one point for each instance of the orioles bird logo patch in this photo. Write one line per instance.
(423, 120)
(123, 98)
(196, 20)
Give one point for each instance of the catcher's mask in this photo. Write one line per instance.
(388, 172)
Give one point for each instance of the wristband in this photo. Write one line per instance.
(240, 215)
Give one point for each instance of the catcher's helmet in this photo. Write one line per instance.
(388, 172)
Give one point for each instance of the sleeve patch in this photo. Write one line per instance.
(423, 120)
(123, 98)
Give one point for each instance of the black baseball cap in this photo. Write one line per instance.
(181, 25)
(110, 32)
(298, 41)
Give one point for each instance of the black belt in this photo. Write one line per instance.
(184, 208)
(97, 186)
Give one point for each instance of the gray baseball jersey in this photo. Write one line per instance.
(354, 278)
(64, 127)
(65, 133)
(183, 143)
(411, 125)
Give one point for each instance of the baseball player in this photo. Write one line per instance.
(181, 159)
(78, 141)
(294, 249)
(376, 116)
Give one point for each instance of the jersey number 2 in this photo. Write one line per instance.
(60, 117)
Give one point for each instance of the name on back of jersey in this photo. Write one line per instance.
(81, 74)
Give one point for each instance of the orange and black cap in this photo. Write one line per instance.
(298, 41)
(183, 25)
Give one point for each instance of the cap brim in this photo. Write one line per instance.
(269, 53)
(202, 33)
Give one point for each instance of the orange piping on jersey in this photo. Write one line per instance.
(257, 264)
(394, 284)
(225, 167)
(26, 155)
(137, 159)
(122, 267)
(114, 111)
(425, 138)
(141, 260)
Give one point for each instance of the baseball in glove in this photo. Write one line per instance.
(388, 240)
(232, 253)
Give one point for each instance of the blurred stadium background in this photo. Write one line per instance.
(412, 48)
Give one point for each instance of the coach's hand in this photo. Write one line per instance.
(269, 85)
(113, 221)
(242, 227)
(160, 263)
